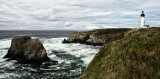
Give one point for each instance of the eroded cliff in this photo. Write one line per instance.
(96, 37)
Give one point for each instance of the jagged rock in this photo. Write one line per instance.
(96, 37)
(76, 37)
(65, 41)
(28, 51)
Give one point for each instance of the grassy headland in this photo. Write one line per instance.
(135, 56)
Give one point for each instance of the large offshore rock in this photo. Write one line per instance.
(27, 50)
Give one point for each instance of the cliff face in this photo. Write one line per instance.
(135, 56)
(96, 37)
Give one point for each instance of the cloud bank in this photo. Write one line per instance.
(76, 14)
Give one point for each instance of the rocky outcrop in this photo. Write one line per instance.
(135, 56)
(28, 51)
(95, 37)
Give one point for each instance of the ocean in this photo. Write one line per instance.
(72, 58)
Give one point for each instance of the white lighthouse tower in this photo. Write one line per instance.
(143, 21)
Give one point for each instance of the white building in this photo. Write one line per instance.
(143, 21)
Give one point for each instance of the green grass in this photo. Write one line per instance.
(136, 56)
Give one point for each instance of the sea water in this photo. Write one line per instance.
(72, 58)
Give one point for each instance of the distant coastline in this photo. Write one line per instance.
(97, 37)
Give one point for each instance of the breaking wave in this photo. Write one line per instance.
(72, 58)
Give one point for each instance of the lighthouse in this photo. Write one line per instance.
(143, 21)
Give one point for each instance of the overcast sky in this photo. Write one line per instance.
(76, 14)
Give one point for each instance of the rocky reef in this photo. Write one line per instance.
(96, 37)
(28, 51)
(135, 56)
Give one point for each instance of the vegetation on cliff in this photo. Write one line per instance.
(135, 56)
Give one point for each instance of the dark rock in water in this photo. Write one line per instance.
(64, 41)
(27, 51)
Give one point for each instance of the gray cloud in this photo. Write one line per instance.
(76, 15)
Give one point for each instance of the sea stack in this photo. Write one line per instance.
(27, 51)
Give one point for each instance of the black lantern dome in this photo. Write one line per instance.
(142, 15)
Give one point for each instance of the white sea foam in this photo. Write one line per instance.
(87, 52)
(5, 43)
(56, 50)
(7, 75)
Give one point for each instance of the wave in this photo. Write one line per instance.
(85, 52)
(71, 59)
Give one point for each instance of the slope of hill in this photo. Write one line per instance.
(135, 56)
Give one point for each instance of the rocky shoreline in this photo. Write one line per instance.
(97, 37)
